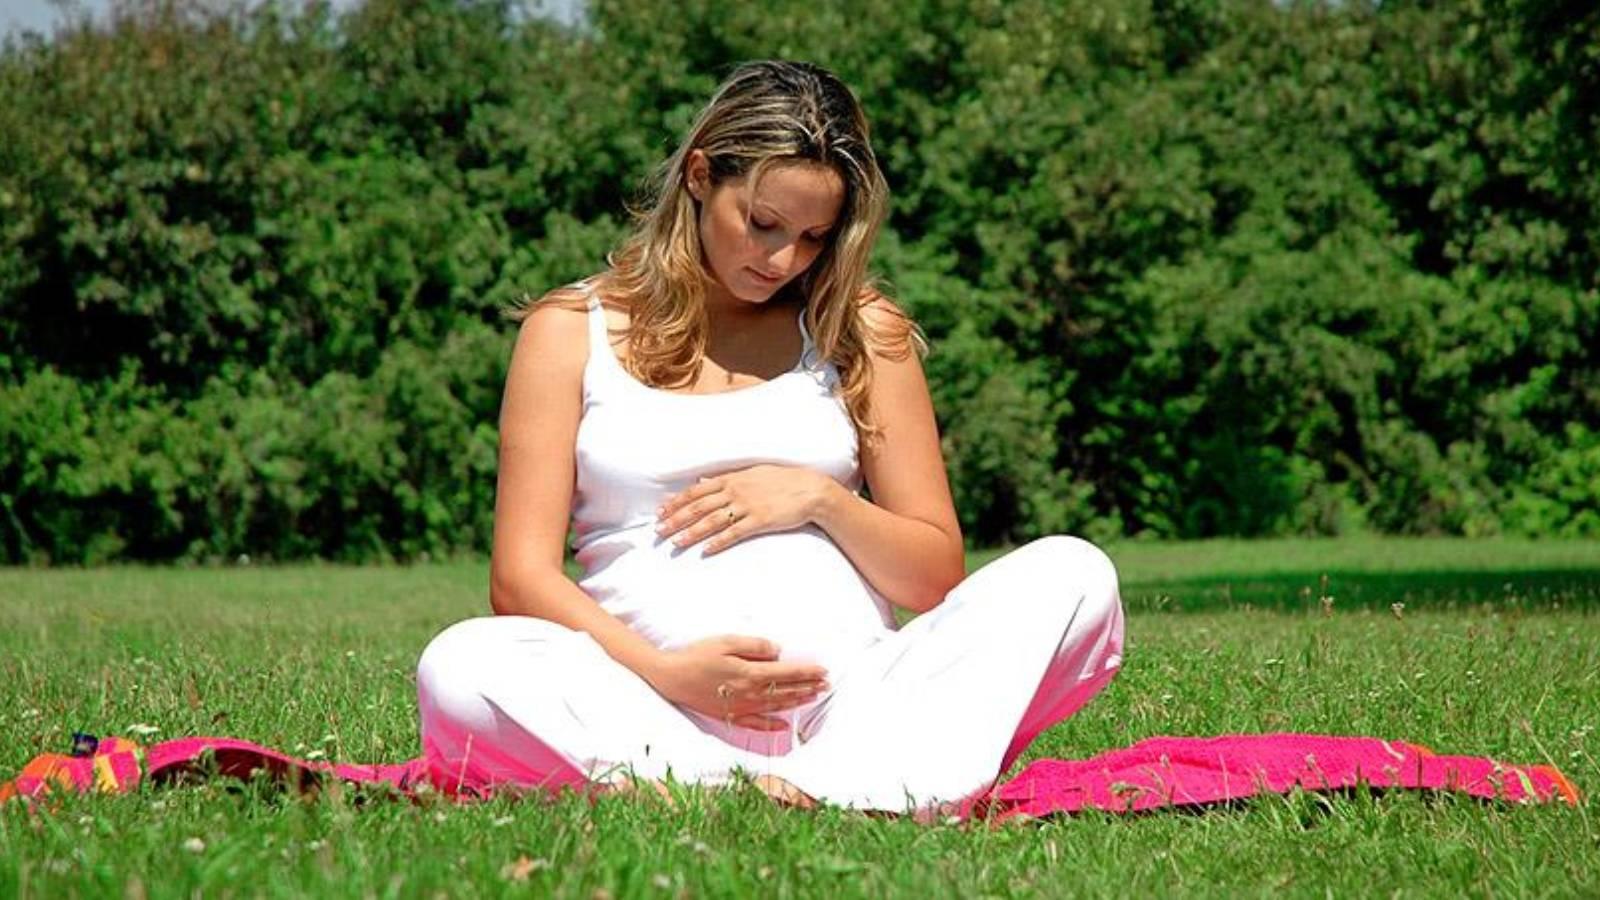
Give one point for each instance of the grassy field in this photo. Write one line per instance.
(1495, 650)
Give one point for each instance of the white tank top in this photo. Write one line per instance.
(637, 445)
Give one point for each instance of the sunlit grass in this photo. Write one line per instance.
(1483, 657)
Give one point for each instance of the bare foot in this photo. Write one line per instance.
(784, 793)
(781, 792)
(646, 787)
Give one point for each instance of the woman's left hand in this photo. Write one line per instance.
(725, 509)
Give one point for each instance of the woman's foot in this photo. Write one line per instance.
(783, 793)
(779, 791)
(627, 786)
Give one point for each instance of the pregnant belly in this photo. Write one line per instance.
(795, 588)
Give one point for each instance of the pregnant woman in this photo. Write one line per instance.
(704, 415)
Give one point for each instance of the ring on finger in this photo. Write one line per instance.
(731, 514)
(724, 691)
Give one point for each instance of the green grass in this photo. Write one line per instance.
(1496, 651)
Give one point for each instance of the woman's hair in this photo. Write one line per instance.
(766, 114)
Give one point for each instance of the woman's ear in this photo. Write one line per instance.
(697, 174)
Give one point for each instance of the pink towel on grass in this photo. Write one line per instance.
(1194, 772)
(1157, 773)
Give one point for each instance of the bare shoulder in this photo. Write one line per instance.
(564, 304)
(553, 337)
(890, 331)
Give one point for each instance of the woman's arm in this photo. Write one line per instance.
(533, 500)
(906, 541)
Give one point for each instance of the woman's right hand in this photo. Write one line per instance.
(737, 679)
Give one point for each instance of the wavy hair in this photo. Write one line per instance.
(766, 114)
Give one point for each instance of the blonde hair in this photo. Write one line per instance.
(766, 114)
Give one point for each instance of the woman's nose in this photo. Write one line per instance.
(782, 258)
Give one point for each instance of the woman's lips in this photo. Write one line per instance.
(763, 278)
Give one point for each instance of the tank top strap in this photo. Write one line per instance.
(603, 366)
(809, 360)
(598, 341)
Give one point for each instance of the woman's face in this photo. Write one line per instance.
(755, 242)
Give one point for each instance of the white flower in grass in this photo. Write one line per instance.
(142, 730)
(661, 880)
(194, 845)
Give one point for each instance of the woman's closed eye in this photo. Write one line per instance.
(765, 227)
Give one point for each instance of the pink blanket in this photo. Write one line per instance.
(1157, 773)
(1191, 772)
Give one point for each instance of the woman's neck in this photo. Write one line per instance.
(723, 308)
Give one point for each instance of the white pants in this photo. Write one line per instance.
(926, 718)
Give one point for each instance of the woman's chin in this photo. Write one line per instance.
(754, 294)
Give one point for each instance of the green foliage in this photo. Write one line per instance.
(1189, 268)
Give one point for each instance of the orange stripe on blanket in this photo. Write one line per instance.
(1564, 785)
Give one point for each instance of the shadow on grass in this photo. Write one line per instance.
(1294, 592)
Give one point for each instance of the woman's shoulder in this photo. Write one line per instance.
(565, 308)
(568, 298)
(554, 328)
(889, 329)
